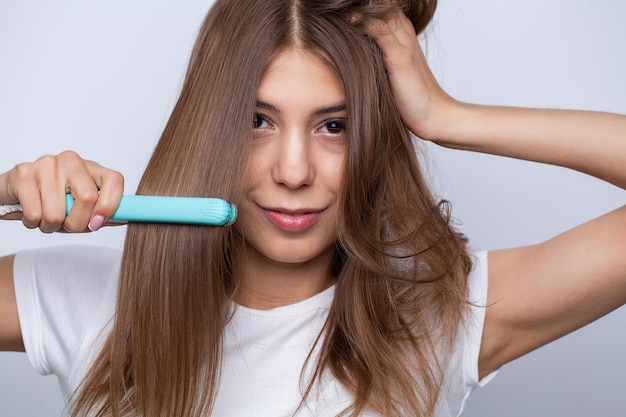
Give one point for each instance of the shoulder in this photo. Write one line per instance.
(73, 279)
(91, 267)
(65, 296)
(82, 257)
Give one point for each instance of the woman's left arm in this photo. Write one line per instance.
(590, 142)
(541, 292)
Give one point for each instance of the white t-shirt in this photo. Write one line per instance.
(66, 300)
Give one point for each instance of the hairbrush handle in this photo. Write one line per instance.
(163, 209)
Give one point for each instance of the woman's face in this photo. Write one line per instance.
(289, 212)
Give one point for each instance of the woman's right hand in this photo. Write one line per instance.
(40, 187)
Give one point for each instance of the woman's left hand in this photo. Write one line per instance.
(422, 103)
(587, 141)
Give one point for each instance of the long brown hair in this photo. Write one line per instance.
(400, 266)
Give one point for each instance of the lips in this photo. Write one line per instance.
(293, 221)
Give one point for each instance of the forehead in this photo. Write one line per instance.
(296, 74)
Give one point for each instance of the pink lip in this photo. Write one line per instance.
(293, 221)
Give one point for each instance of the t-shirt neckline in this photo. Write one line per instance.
(320, 300)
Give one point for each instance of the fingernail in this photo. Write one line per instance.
(96, 222)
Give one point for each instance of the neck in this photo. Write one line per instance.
(267, 284)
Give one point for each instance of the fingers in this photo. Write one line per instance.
(41, 189)
(396, 38)
(27, 186)
(102, 205)
(84, 191)
(420, 100)
(402, 52)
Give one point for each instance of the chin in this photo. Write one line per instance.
(295, 256)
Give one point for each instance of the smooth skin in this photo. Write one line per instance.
(536, 293)
(289, 211)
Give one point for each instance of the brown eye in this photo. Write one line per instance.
(335, 126)
(259, 122)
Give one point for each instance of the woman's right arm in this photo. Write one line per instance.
(40, 187)
(10, 333)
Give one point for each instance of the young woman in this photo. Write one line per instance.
(342, 287)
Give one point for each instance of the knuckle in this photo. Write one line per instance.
(87, 196)
(55, 219)
(69, 226)
(31, 218)
(68, 159)
(46, 160)
(68, 154)
(116, 178)
(21, 170)
(48, 228)
(29, 225)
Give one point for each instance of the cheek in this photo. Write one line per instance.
(253, 170)
(334, 172)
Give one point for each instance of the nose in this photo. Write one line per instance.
(294, 166)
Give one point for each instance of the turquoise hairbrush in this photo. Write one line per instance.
(162, 209)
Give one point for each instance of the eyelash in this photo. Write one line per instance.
(339, 124)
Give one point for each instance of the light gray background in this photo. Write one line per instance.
(101, 77)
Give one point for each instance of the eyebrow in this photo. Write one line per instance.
(320, 111)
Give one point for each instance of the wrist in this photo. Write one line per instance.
(444, 122)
